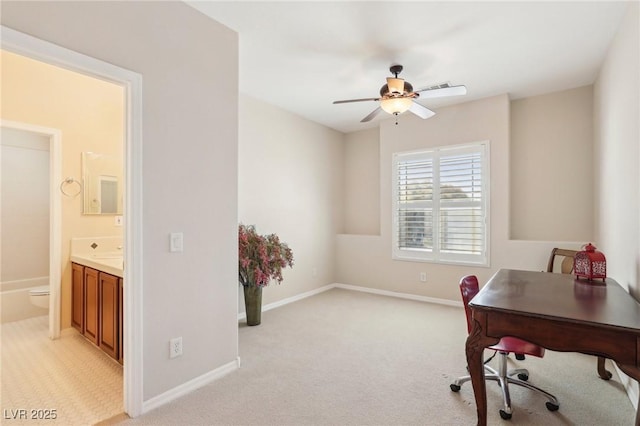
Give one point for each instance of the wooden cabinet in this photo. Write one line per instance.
(97, 308)
(91, 305)
(77, 297)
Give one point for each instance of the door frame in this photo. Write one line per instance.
(55, 220)
(45, 51)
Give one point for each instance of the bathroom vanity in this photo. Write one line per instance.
(97, 301)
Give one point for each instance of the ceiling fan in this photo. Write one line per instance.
(398, 96)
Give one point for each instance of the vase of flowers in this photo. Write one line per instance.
(261, 260)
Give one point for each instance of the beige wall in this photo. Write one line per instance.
(365, 260)
(190, 135)
(361, 182)
(189, 68)
(290, 183)
(551, 166)
(617, 154)
(90, 115)
(617, 157)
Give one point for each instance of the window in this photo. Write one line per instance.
(440, 204)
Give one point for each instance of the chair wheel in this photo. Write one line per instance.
(454, 387)
(523, 377)
(551, 406)
(505, 415)
(520, 357)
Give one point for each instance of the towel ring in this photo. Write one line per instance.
(70, 181)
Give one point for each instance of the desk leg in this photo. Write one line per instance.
(476, 342)
(602, 371)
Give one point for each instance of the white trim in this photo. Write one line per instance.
(190, 386)
(437, 204)
(45, 51)
(55, 217)
(399, 295)
(627, 383)
(133, 242)
(243, 315)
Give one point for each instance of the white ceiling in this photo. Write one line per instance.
(301, 56)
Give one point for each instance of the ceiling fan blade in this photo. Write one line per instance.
(439, 92)
(356, 100)
(371, 115)
(421, 111)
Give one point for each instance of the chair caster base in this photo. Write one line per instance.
(505, 415)
(551, 406)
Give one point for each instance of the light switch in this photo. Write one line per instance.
(176, 242)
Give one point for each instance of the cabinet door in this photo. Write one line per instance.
(120, 321)
(109, 298)
(77, 297)
(91, 304)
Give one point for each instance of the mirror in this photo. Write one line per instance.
(102, 183)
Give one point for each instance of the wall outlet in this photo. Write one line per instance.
(175, 347)
(176, 242)
(423, 277)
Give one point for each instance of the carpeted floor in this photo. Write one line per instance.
(351, 358)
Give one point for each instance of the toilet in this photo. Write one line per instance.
(39, 296)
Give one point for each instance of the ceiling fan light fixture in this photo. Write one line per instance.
(396, 85)
(396, 106)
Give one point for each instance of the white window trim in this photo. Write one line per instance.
(418, 255)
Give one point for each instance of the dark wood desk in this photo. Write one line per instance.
(555, 311)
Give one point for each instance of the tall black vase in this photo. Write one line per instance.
(253, 304)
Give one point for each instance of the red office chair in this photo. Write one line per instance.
(469, 288)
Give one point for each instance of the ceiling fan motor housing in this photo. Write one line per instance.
(384, 90)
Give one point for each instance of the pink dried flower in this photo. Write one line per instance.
(261, 258)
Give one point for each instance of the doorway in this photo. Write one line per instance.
(40, 149)
(50, 53)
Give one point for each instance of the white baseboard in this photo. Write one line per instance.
(627, 382)
(399, 295)
(189, 386)
(200, 381)
(243, 315)
(219, 372)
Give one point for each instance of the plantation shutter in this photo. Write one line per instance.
(440, 204)
(415, 204)
(461, 212)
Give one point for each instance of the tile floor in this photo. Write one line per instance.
(69, 375)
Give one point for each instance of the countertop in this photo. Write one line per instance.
(111, 263)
